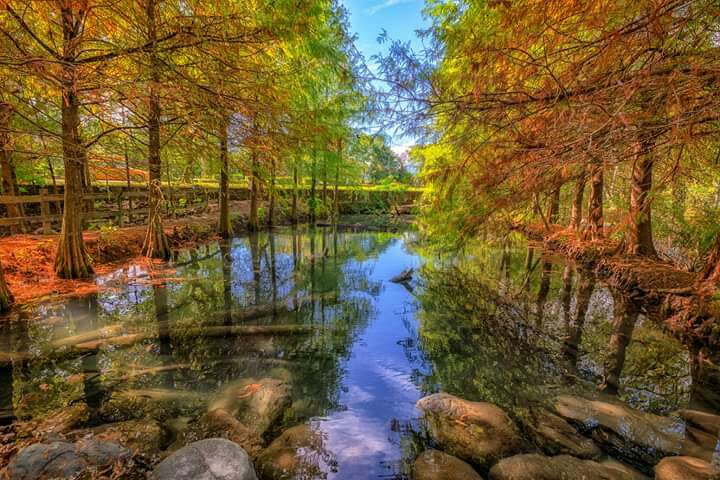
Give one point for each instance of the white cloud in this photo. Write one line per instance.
(386, 4)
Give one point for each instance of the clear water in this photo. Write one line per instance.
(486, 324)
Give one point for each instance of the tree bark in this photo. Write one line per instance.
(6, 298)
(71, 261)
(595, 230)
(625, 315)
(578, 194)
(225, 228)
(294, 213)
(156, 244)
(553, 210)
(336, 199)
(638, 238)
(253, 222)
(271, 200)
(313, 186)
(9, 180)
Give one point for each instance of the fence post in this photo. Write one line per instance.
(45, 212)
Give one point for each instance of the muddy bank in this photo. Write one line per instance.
(677, 299)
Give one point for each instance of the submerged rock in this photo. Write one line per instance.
(257, 404)
(298, 453)
(685, 468)
(64, 459)
(141, 436)
(532, 466)
(220, 423)
(59, 422)
(478, 432)
(643, 438)
(555, 436)
(436, 465)
(211, 459)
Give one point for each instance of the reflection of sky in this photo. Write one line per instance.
(376, 388)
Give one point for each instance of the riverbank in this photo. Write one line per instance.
(28, 260)
(682, 301)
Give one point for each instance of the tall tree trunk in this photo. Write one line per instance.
(271, 200)
(253, 222)
(156, 244)
(578, 194)
(71, 261)
(9, 180)
(553, 210)
(336, 199)
(625, 315)
(638, 238)
(594, 229)
(294, 213)
(6, 298)
(225, 228)
(313, 186)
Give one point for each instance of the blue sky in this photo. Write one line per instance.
(400, 18)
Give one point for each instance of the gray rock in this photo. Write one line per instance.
(532, 466)
(480, 433)
(63, 459)
(685, 468)
(436, 465)
(555, 436)
(641, 437)
(211, 459)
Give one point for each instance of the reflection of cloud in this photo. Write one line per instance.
(398, 379)
(345, 431)
(358, 395)
(385, 4)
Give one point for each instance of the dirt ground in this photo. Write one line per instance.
(27, 260)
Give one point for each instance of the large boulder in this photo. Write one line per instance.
(685, 468)
(533, 466)
(210, 459)
(140, 436)
(436, 465)
(64, 459)
(478, 432)
(298, 453)
(257, 404)
(555, 436)
(641, 437)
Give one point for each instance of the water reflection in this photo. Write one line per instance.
(502, 322)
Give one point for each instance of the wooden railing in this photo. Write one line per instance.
(118, 206)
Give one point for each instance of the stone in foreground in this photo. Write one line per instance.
(211, 459)
(436, 465)
(685, 468)
(480, 433)
(63, 459)
(532, 466)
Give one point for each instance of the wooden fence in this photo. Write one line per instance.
(117, 205)
(41, 212)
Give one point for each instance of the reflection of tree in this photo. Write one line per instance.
(625, 315)
(705, 375)
(543, 293)
(573, 337)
